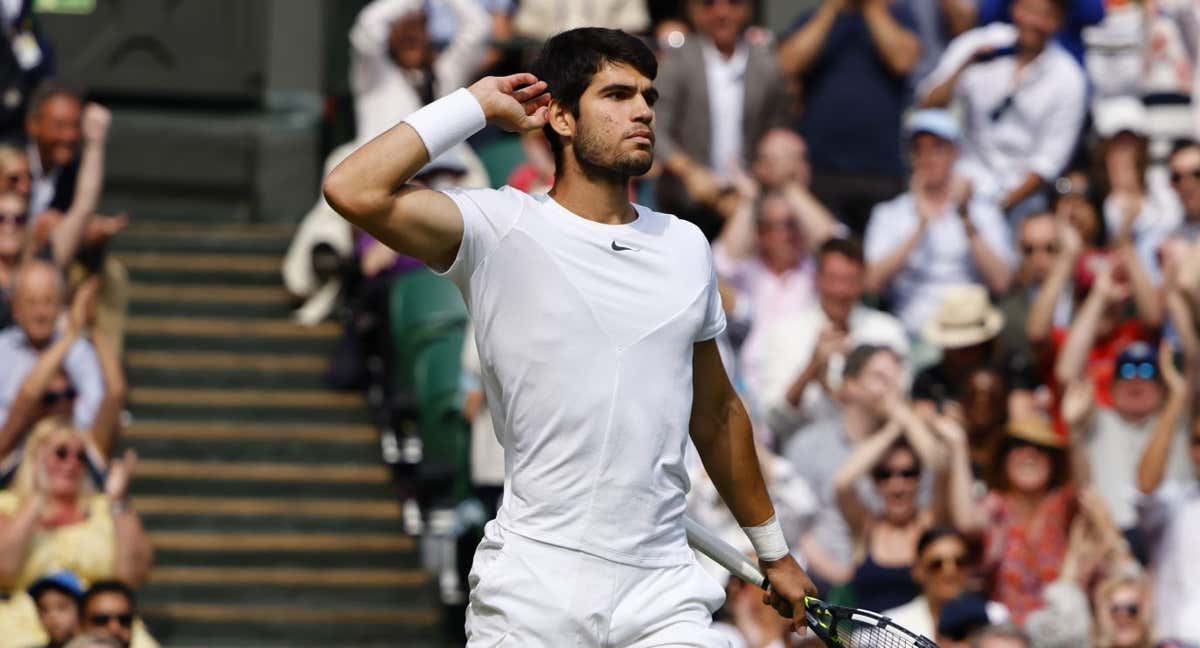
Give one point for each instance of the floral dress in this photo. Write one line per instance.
(1022, 556)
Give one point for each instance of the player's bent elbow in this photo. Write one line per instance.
(353, 203)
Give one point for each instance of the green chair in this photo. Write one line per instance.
(500, 156)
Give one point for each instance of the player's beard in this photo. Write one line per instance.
(597, 160)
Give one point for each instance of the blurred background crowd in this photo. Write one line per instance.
(958, 245)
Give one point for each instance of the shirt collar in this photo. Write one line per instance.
(736, 63)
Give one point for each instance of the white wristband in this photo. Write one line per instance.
(448, 121)
(768, 540)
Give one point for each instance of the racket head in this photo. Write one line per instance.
(843, 627)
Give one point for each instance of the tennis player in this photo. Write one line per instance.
(595, 321)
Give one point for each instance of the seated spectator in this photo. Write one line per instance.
(964, 328)
(765, 253)
(872, 378)
(1167, 510)
(1184, 167)
(983, 410)
(1145, 383)
(57, 597)
(941, 570)
(541, 19)
(50, 521)
(1024, 520)
(937, 234)
(1122, 605)
(109, 609)
(39, 362)
(1024, 103)
(719, 93)
(886, 539)
(1079, 15)
(853, 60)
(807, 349)
(1138, 212)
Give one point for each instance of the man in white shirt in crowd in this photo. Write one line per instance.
(1024, 101)
(938, 233)
(595, 320)
(807, 349)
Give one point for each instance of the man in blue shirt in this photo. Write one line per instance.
(853, 59)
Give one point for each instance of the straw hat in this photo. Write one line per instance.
(964, 318)
(1036, 430)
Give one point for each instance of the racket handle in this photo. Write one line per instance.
(707, 543)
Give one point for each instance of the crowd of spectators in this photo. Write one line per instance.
(72, 547)
(958, 244)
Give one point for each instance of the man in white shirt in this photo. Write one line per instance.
(1023, 97)
(937, 234)
(807, 349)
(595, 322)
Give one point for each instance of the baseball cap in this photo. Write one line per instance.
(934, 121)
(1136, 360)
(1120, 115)
(963, 615)
(62, 581)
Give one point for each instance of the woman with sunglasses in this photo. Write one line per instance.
(1024, 519)
(1122, 610)
(51, 519)
(942, 571)
(886, 521)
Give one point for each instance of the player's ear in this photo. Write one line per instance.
(561, 120)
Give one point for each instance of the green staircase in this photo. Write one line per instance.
(263, 493)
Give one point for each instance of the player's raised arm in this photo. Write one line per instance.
(370, 188)
(720, 429)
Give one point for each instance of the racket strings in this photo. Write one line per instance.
(855, 634)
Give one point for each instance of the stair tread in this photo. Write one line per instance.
(216, 397)
(232, 430)
(316, 507)
(242, 542)
(261, 470)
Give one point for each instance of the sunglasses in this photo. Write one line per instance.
(884, 474)
(1048, 248)
(52, 397)
(16, 219)
(63, 452)
(941, 563)
(789, 225)
(1131, 370)
(1178, 176)
(1130, 609)
(126, 619)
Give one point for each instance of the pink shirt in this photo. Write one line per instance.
(770, 296)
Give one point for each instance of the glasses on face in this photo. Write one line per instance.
(941, 563)
(884, 474)
(63, 453)
(1049, 248)
(1130, 609)
(51, 397)
(1131, 370)
(771, 225)
(18, 219)
(125, 620)
(1178, 176)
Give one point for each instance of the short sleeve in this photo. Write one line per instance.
(714, 312)
(488, 215)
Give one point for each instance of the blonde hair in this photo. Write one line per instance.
(10, 154)
(46, 431)
(1128, 573)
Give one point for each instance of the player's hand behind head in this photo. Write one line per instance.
(516, 103)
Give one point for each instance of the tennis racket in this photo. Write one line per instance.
(834, 625)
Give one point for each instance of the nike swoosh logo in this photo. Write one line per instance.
(617, 247)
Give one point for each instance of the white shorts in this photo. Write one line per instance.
(529, 594)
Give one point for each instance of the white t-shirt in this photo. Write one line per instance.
(585, 334)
